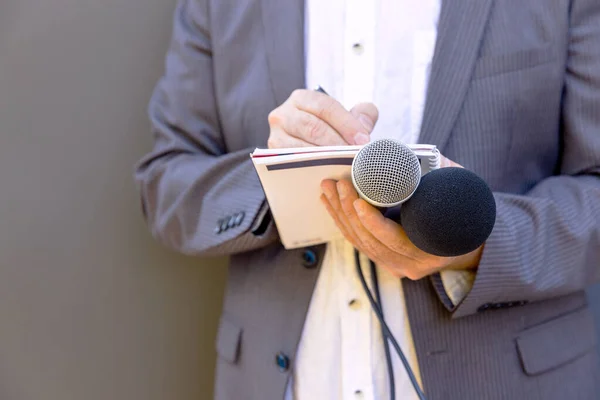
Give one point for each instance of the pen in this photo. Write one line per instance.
(320, 89)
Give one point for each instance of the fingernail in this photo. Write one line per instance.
(342, 190)
(366, 122)
(361, 138)
(358, 208)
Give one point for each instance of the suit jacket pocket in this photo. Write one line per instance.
(522, 59)
(556, 342)
(229, 337)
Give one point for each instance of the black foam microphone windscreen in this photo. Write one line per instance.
(451, 213)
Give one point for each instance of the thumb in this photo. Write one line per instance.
(367, 114)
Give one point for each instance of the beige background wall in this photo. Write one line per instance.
(90, 307)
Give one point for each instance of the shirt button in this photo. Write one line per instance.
(359, 394)
(358, 48)
(353, 303)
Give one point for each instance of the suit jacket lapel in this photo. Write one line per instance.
(283, 22)
(461, 27)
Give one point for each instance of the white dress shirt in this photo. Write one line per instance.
(376, 51)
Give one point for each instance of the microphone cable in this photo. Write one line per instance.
(386, 343)
(387, 333)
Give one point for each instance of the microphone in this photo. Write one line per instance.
(446, 212)
(452, 212)
(386, 172)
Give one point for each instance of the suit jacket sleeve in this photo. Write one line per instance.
(197, 197)
(547, 243)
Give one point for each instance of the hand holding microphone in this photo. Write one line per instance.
(445, 216)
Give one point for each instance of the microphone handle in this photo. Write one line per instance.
(392, 213)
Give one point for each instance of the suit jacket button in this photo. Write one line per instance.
(218, 228)
(224, 224)
(239, 218)
(231, 221)
(282, 361)
(484, 307)
(309, 258)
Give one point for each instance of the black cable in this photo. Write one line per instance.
(386, 343)
(386, 329)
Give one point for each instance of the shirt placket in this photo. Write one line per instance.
(359, 52)
(356, 330)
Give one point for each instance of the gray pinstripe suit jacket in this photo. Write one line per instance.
(514, 96)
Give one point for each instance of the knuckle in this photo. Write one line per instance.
(336, 206)
(325, 107)
(348, 212)
(275, 117)
(314, 130)
(297, 94)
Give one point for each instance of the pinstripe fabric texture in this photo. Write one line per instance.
(195, 176)
(514, 96)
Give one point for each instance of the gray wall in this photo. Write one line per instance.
(91, 308)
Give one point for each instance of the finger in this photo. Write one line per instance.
(367, 114)
(329, 189)
(350, 237)
(311, 129)
(446, 162)
(368, 242)
(333, 113)
(279, 139)
(338, 222)
(394, 237)
(384, 229)
(396, 262)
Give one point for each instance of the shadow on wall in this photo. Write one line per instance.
(90, 306)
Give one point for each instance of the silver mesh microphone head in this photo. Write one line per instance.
(386, 172)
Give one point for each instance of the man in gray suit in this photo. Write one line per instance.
(512, 93)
